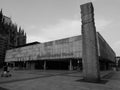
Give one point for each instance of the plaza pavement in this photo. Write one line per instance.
(57, 80)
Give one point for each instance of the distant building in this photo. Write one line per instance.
(3, 45)
(10, 36)
(7, 19)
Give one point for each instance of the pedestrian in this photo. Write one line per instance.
(5, 69)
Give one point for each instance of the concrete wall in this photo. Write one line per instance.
(63, 48)
(105, 51)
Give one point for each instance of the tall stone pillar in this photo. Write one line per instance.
(89, 44)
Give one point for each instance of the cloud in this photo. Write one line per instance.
(62, 29)
(32, 38)
(65, 28)
(101, 24)
(116, 47)
(33, 30)
(86, 1)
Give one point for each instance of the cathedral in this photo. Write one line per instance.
(10, 36)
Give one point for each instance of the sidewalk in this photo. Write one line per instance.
(56, 80)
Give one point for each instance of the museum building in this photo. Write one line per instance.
(62, 54)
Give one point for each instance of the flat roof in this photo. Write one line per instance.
(28, 44)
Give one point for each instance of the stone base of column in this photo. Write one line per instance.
(91, 79)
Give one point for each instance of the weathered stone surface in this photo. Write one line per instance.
(89, 44)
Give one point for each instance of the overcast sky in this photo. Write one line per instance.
(46, 20)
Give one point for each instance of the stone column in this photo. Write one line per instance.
(70, 66)
(89, 44)
(27, 65)
(13, 64)
(44, 64)
(32, 65)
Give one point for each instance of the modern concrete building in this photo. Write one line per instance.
(59, 54)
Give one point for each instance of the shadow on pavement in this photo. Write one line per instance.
(44, 76)
(96, 82)
(3, 88)
(108, 76)
(103, 80)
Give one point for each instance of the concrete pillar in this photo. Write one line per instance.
(70, 65)
(27, 65)
(89, 44)
(13, 64)
(32, 65)
(44, 64)
(106, 66)
(24, 65)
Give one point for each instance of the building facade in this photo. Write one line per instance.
(118, 62)
(59, 54)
